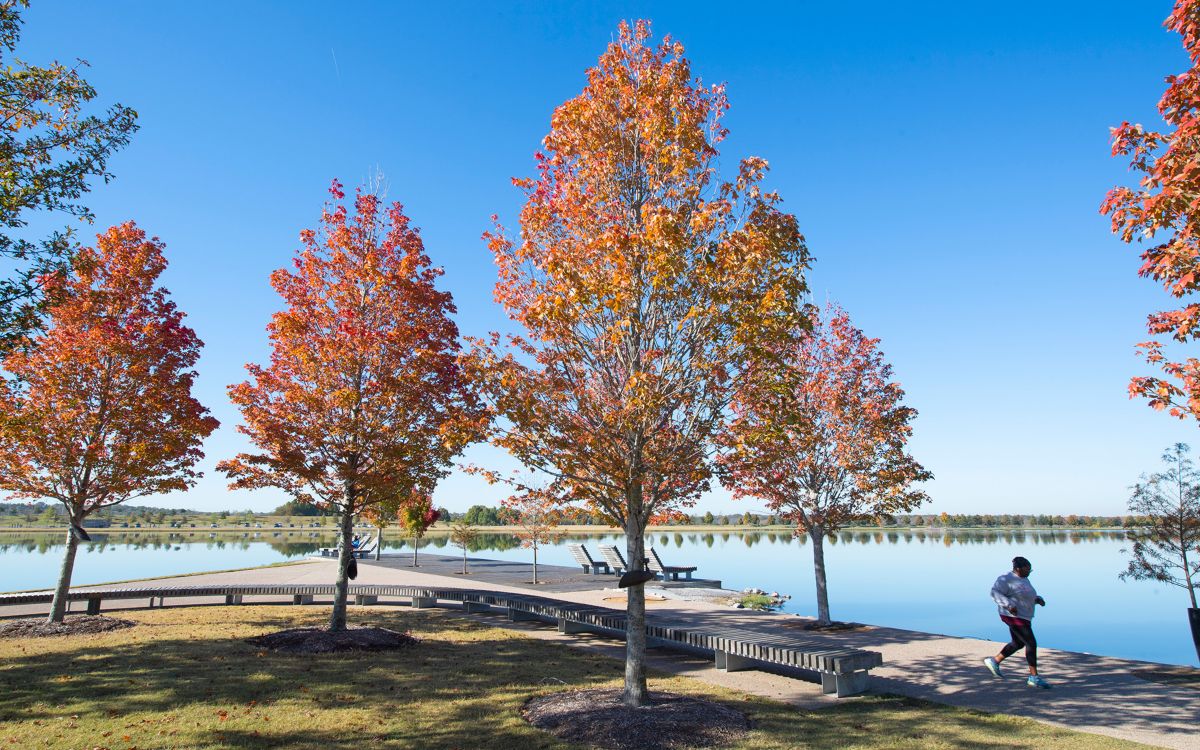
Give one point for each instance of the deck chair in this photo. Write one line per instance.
(656, 564)
(613, 556)
(584, 558)
(366, 547)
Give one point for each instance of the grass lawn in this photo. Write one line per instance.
(185, 678)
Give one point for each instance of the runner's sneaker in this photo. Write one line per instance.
(993, 666)
(1037, 682)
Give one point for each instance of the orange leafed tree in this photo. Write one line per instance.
(99, 408)
(820, 434)
(1164, 210)
(363, 400)
(417, 515)
(642, 279)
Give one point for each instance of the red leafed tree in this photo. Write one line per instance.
(536, 513)
(1164, 212)
(99, 408)
(363, 400)
(820, 434)
(642, 280)
(417, 515)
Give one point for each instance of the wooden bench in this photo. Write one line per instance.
(656, 564)
(843, 671)
(613, 556)
(584, 558)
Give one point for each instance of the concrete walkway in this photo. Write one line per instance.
(1091, 693)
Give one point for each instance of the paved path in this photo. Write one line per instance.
(1092, 693)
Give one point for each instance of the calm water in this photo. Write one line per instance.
(926, 581)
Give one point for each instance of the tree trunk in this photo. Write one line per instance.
(464, 560)
(58, 608)
(1187, 571)
(379, 543)
(416, 543)
(535, 564)
(636, 693)
(337, 621)
(817, 534)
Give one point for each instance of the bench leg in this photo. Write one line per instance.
(476, 607)
(366, 599)
(423, 602)
(515, 615)
(732, 662)
(302, 599)
(233, 598)
(850, 683)
(93, 606)
(688, 575)
(570, 626)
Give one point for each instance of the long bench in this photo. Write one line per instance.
(843, 671)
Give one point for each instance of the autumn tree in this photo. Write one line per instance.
(1162, 211)
(99, 409)
(464, 536)
(820, 434)
(642, 279)
(536, 514)
(417, 515)
(380, 516)
(363, 400)
(1166, 536)
(49, 150)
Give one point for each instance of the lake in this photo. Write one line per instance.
(922, 580)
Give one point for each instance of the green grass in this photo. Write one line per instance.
(757, 601)
(185, 678)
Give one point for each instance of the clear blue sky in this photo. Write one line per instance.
(945, 160)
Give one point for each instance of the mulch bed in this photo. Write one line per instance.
(37, 627)
(598, 718)
(321, 641)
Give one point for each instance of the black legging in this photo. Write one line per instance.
(1022, 638)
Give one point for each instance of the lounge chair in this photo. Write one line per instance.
(366, 547)
(584, 558)
(656, 564)
(613, 556)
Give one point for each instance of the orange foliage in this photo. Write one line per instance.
(363, 404)
(100, 410)
(642, 280)
(363, 400)
(1165, 209)
(820, 431)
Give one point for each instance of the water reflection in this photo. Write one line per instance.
(302, 543)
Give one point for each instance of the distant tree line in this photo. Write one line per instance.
(485, 515)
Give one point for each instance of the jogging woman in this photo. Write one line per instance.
(1015, 597)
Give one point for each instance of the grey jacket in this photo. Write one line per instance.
(1011, 590)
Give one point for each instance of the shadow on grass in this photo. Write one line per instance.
(474, 680)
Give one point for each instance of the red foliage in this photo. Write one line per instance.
(820, 432)
(1165, 210)
(100, 408)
